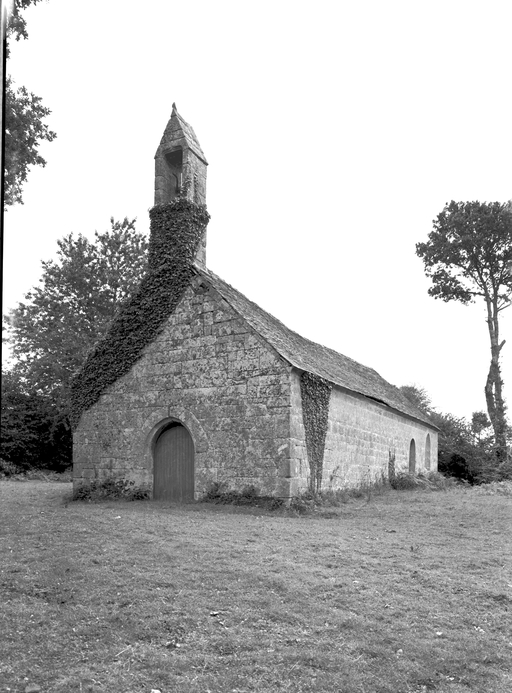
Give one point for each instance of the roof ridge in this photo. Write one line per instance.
(306, 355)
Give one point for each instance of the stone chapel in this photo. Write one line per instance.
(195, 384)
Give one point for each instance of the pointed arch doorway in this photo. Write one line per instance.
(173, 468)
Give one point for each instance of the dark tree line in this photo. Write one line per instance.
(51, 332)
(466, 448)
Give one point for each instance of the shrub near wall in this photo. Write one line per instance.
(176, 232)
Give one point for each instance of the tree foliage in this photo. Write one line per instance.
(21, 422)
(32, 435)
(17, 27)
(468, 255)
(419, 397)
(463, 451)
(24, 116)
(61, 319)
(24, 130)
(479, 424)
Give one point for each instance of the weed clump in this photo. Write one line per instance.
(305, 503)
(495, 488)
(433, 481)
(403, 481)
(110, 489)
(11, 471)
(309, 501)
(219, 492)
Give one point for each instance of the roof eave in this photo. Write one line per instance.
(362, 395)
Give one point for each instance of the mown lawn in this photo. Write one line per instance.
(409, 592)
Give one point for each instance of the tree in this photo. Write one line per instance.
(458, 453)
(30, 437)
(419, 397)
(479, 423)
(17, 25)
(24, 126)
(62, 318)
(20, 423)
(24, 130)
(469, 254)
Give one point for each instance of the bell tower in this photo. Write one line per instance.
(180, 165)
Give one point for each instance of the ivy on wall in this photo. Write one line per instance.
(176, 232)
(316, 395)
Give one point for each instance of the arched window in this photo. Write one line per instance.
(412, 457)
(427, 452)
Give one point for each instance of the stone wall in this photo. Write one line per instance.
(190, 172)
(299, 465)
(210, 371)
(194, 170)
(360, 437)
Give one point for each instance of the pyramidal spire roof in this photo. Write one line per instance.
(179, 132)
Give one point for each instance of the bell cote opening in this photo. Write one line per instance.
(180, 165)
(174, 173)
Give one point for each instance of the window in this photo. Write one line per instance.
(412, 457)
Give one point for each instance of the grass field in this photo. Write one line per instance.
(409, 592)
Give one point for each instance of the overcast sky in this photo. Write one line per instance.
(335, 131)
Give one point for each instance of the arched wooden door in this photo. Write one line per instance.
(174, 465)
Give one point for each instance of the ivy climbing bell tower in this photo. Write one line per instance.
(180, 168)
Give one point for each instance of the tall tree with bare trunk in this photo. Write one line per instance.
(469, 254)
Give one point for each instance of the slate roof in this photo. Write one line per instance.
(315, 358)
(191, 138)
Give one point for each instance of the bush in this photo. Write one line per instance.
(403, 481)
(479, 468)
(30, 435)
(8, 468)
(495, 488)
(440, 482)
(433, 481)
(455, 465)
(305, 502)
(490, 471)
(110, 489)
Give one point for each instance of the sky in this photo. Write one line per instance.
(335, 132)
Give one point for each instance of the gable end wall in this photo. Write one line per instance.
(209, 370)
